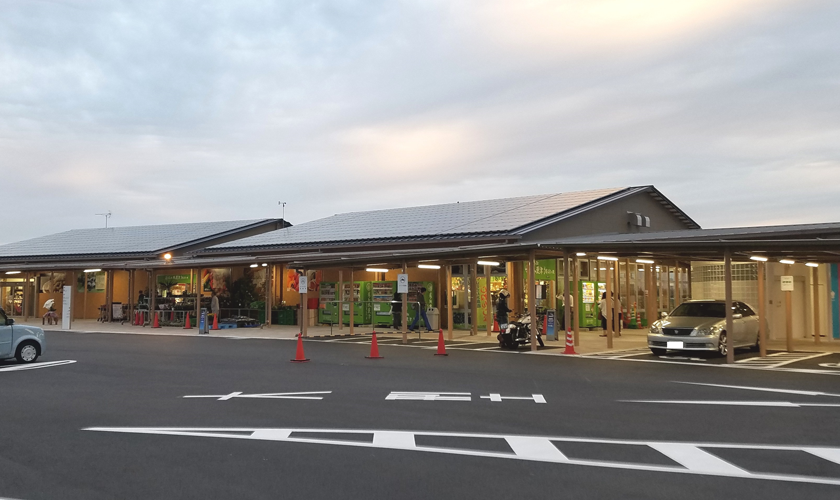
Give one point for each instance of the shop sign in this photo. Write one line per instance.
(545, 270)
(787, 283)
(402, 283)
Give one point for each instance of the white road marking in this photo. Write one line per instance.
(779, 359)
(428, 396)
(35, 366)
(498, 398)
(273, 395)
(695, 458)
(777, 404)
(764, 389)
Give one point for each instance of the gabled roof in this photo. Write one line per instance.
(129, 241)
(474, 219)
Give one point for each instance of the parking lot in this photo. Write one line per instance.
(119, 416)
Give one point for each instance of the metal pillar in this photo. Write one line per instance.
(730, 328)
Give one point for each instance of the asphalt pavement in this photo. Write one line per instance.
(206, 417)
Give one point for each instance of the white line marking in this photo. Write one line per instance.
(530, 448)
(697, 460)
(777, 404)
(764, 389)
(830, 454)
(35, 366)
(272, 395)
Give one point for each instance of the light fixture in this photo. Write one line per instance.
(167, 256)
(487, 263)
(376, 270)
(604, 257)
(428, 266)
(809, 264)
(92, 270)
(759, 259)
(602, 268)
(254, 265)
(644, 261)
(265, 264)
(12, 272)
(581, 254)
(787, 261)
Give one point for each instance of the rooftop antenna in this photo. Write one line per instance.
(283, 204)
(107, 216)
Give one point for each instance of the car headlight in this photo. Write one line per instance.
(656, 327)
(707, 332)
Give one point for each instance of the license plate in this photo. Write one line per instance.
(675, 345)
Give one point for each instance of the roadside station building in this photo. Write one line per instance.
(563, 250)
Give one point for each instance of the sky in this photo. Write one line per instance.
(166, 112)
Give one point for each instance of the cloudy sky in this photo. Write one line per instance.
(191, 111)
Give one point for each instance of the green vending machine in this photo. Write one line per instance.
(327, 305)
(361, 310)
(382, 293)
(413, 292)
(589, 296)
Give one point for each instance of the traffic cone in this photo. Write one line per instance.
(495, 325)
(156, 324)
(136, 318)
(187, 324)
(299, 357)
(215, 322)
(374, 348)
(544, 331)
(441, 345)
(570, 342)
(172, 316)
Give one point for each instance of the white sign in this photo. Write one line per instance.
(402, 283)
(787, 283)
(66, 307)
(303, 284)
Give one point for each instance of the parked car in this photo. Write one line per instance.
(700, 325)
(23, 342)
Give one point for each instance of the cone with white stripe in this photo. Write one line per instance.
(570, 342)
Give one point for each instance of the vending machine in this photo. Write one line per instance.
(382, 293)
(327, 305)
(589, 296)
(361, 310)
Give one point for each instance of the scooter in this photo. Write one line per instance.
(517, 333)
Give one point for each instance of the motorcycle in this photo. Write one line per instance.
(517, 333)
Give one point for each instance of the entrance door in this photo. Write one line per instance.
(5, 337)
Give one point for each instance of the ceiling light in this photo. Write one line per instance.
(644, 261)
(167, 256)
(487, 263)
(254, 265)
(264, 264)
(759, 259)
(787, 261)
(603, 257)
(376, 270)
(809, 264)
(12, 272)
(428, 266)
(581, 254)
(92, 270)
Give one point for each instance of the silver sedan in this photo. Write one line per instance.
(700, 325)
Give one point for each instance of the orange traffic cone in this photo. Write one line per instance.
(495, 325)
(136, 318)
(187, 324)
(215, 322)
(172, 316)
(441, 345)
(299, 357)
(156, 324)
(374, 348)
(570, 342)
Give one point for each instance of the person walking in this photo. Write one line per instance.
(602, 305)
(421, 311)
(214, 304)
(396, 311)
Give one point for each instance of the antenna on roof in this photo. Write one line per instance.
(283, 204)
(107, 216)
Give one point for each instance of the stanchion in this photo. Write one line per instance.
(374, 348)
(299, 357)
(187, 325)
(570, 342)
(441, 345)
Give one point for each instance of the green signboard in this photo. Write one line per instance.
(545, 269)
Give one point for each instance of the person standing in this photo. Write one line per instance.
(502, 308)
(214, 304)
(421, 311)
(602, 307)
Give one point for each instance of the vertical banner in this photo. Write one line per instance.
(66, 307)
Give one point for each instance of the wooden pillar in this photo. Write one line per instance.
(405, 309)
(788, 315)
(84, 297)
(532, 294)
(449, 306)
(473, 298)
(762, 311)
(198, 290)
(352, 303)
(576, 295)
(617, 301)
(488, 302)
(72, 282)
(109, 293)
(439, 293)
(339, 295)
(152, 295)
(608, 314)
(627, 285)
(131, 285)
(24, 302)
(730, 325)
(677, 289)
(269, 296)
(567, 297)
(815, 272)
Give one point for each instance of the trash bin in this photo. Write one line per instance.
(434, 318)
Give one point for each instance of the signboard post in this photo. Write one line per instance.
(66, 307)
(303, 285)
(550, 324)
(402, 283)
(202, 322)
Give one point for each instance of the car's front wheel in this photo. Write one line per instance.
(27, 352)
(658, 352)
(722, 349)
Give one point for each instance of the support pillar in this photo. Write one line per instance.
(474, 299)
(339, 295)
(762, 311)
(405, 309)
(576, 295)
(788, 315)
(730, 325)
(152, 295)
(816, 279)
(677, 289)
(304, 312)
(449, 306)
(352, 302)
(488, 302)
(608, 314)
(532, 294)
(567, 299)
(617, 302)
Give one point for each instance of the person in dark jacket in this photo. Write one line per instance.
(421, 311)
(502, 308)
(396, 310)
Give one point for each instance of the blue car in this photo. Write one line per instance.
(22, 342)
